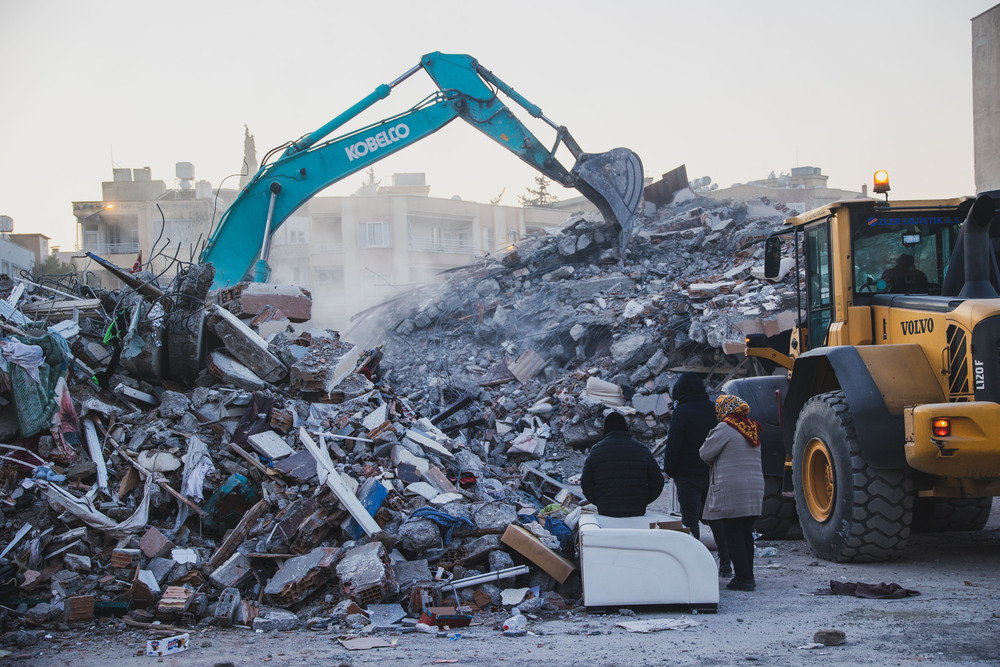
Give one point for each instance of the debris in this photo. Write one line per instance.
(168, 645)
(233, 573)
(300, 576)
(515, 622)
(324, 464)
(830, 637)
(366, 574)
(270, 445)
(657, 624)
(882, 591)
(527, 545)
(363, 643)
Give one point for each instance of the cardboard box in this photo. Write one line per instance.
(527, 545)
(670, 525)
(167, 646)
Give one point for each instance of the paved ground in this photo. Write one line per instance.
(955, 620)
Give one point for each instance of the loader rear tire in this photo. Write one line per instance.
(778, 514)
(848, 511)
(941, 515)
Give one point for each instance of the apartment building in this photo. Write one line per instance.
(350, 251)
(14, 257)
(353, 252)
(137, 213)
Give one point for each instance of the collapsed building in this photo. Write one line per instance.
(189, 457)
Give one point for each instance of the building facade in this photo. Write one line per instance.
(803, 189)
(354, 252)
(37, 244)
(986, 98)
(351, 252)
(140, 214)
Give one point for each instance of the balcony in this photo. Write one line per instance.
(104, 249)
(430, 244)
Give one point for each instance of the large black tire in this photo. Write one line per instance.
(778, 514)
(848, 511)
(940, 515)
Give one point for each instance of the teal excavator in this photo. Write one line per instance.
(612, 181)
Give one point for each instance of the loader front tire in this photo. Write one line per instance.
(848, 511)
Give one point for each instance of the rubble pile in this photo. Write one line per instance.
(542, 339)
(169, 468)
(180, 457)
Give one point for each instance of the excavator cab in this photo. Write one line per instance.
(613, 182)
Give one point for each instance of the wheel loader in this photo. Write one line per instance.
(884, 417)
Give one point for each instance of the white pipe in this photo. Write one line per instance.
(488, 577)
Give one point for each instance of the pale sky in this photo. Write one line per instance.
(734, 89)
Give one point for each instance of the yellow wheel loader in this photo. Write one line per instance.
(886, 418)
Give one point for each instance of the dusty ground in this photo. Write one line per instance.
(955, 620)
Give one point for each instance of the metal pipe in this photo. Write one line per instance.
(262, 271)
(72, 296)
(265, 248)
(406, 75)
(489, 577)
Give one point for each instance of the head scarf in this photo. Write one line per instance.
(734, 411)
(689, 388)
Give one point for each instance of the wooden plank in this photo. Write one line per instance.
(238, 533)
(250, 458)
(324, 467)
(184, 499)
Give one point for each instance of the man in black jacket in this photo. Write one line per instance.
(692, 419)
(620, 476)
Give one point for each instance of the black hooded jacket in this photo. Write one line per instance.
(621, 476)
(690, 423)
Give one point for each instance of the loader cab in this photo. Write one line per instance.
(901, 250)
(848, 252)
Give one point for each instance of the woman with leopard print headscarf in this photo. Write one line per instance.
(736, 483)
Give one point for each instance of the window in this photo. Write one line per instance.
(820, 296)
(326, 235)
(330, 278)
(440, 233)
(512, 235)
(902, 252)
(297, 230)
(488, 239)
(373, 235)
(175, 230)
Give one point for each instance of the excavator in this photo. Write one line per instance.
(612, 181)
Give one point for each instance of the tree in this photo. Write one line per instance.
(496, 200)
(52, 267)
(540, 196)
(370, 185)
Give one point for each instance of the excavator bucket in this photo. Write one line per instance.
(612, 181)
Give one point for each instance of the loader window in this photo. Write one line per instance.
(820, 297)
(902, 252)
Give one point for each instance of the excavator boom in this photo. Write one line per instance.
(612, 181)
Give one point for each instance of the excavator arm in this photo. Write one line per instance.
(612, 181)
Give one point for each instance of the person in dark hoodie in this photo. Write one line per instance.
(692, 419)
(620, 476)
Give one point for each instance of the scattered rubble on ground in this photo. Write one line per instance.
(184, 458)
